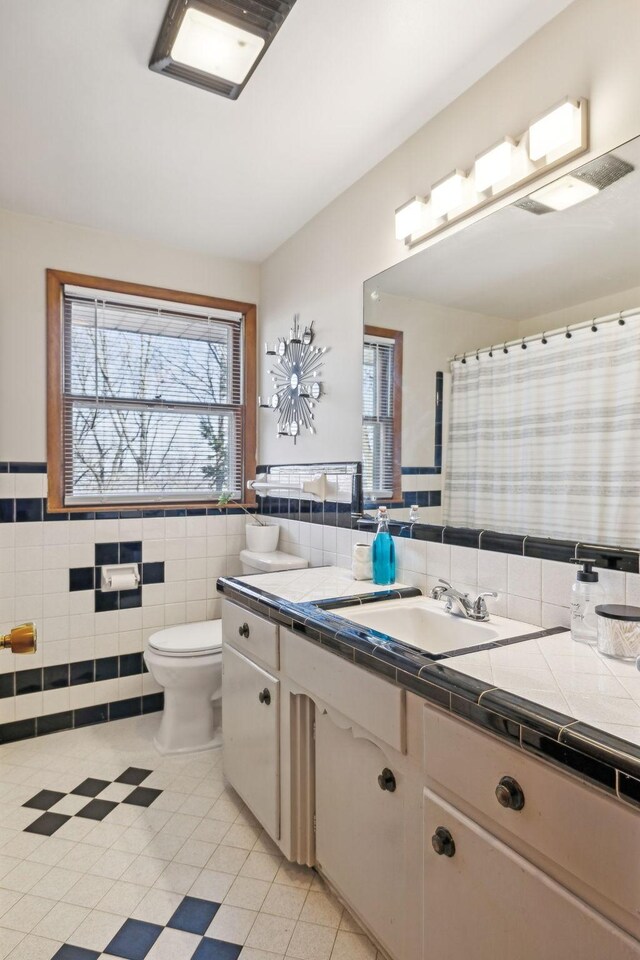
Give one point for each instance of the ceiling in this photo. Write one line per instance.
(517, 265)
(91, 136)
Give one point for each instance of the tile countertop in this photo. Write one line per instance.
(543, 692)
(314, 583)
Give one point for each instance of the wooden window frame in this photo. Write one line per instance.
(55, 282)
(397, 337)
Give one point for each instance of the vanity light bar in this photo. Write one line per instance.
(551, 139)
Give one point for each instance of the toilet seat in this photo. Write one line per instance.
(200, 639)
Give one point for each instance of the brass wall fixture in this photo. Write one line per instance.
(22, 639)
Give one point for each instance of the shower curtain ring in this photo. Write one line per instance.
(491, 350)
(477, 353)
(621, 319)
(464, 358)
(505, 349)
(594, 328)
(544, 337)
(568, 333)
(523, 344)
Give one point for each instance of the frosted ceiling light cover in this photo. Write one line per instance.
(448, 194)
(216, 47)
(494, 166)
(564, 193)
(553, 131)
(409, 217)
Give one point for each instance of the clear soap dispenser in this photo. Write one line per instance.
(586, 594)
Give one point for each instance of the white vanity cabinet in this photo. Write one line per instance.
(545, 866)
(483, 900)
(251, 735)
(366, 816)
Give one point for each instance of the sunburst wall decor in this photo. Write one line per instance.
(295, 379)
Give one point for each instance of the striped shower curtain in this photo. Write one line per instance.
(546, 441)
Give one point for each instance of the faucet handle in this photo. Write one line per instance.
(437, 592)
(479, 605)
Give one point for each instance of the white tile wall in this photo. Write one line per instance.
(535, 591)
(35, 559)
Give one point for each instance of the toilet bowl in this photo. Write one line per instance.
(187, 661)
(254, 562)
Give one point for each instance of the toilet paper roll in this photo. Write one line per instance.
(123, 580)
(361, 568)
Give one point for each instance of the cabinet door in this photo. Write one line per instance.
(360, 835)
(486, 901)
(250, 725)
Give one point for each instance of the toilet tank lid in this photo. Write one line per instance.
(200, 637)
(272, 562)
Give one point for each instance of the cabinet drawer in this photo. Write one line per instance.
(254, 635)
(592, 839)
(374, 704)
(509, 907)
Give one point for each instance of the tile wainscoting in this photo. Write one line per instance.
(88, 667)
(530, 589)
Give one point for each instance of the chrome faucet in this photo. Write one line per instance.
(460, 604)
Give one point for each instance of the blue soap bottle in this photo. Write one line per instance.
(383, 552)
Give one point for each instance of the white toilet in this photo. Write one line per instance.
(254, 562)
(187, 661)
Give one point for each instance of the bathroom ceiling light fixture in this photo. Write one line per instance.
(494, 166)
(564, 193)
(217, 44)
(552, 138)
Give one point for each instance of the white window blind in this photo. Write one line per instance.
(152, 399)
(378, 416)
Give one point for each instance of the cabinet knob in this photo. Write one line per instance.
(244, 630)
(387, 781)
(509, 794)
(442, 842)
(265, 696)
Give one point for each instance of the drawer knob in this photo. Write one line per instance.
(509, 794)
(244, 631)
(265, 696)
(387, 781)
(442, 842)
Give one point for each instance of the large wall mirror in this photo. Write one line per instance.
(502, 367)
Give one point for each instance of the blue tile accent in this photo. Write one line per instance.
(130, 664)
(69, 952)
(134, 939)
(26, 467)
(7, 510)
(153, 572)
(81, 672)
(130, 598)
(107, 553)
(217, 950)
(194, 915)
(131, 552)
(29, 681)
(28, 509)
(81, 578)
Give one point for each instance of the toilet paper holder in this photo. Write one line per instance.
(120, 576)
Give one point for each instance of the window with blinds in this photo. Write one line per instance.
(152, 399)
(381, 422)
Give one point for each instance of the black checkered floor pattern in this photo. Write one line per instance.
(182, 938)
(92, 799)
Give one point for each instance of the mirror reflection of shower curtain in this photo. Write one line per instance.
(546, 441)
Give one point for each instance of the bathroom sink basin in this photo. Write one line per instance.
(424, 623)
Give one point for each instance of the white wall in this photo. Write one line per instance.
(28, 245)
(589, 50)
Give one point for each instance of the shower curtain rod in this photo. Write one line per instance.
(596, 322)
